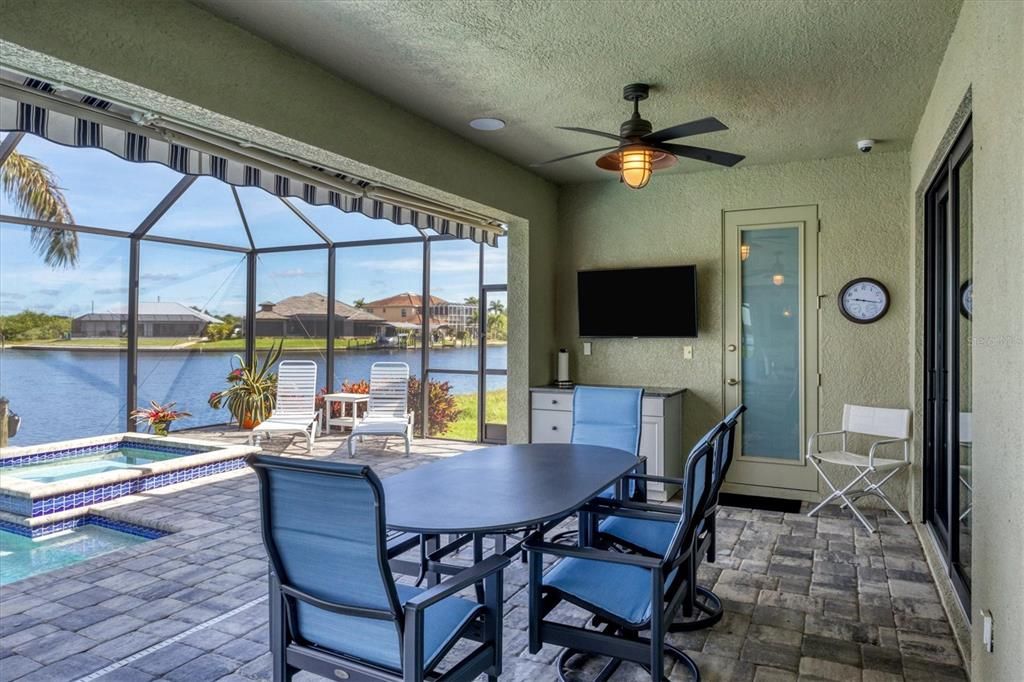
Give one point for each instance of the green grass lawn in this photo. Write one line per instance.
(98, 342)
(464, 428)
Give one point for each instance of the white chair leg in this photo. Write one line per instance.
(842, 495)
(351, 445)
(876, 489)
(407, 445)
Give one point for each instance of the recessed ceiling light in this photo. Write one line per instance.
(487, 124)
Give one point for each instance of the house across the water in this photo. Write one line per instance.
(160, 319)
(306, 316)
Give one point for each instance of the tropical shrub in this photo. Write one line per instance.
(442, 404)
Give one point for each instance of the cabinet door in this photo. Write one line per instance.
(551, 426)
(652, 440)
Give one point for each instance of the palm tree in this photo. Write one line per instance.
(34, 190)
(496, 306)
(359, 303)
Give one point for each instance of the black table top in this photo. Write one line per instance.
(501, 488)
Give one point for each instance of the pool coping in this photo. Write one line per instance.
(212, 452)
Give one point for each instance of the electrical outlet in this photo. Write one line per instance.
(587, 349)
(687, 352)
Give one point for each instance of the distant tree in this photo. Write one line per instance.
(35, 190)
(496, 306)
(472, 300)
(359, 303)
(29, 325)
(497, 326)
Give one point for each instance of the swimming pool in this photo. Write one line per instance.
(49, 488)
(22, 557)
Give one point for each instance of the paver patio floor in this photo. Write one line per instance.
(805, 599)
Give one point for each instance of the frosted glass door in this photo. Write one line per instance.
(770, 372)
(771, 344)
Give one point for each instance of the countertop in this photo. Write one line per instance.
(649, 391)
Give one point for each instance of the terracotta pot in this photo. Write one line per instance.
(249, 423)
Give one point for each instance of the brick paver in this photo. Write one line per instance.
(805, 598)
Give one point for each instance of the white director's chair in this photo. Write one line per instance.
(893, 426)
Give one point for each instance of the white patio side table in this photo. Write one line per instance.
(352, 399)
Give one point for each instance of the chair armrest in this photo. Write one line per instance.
(888, 441)
(656, 479)
(458, 582)
(815, 436)
(591, 554)
(633, 510)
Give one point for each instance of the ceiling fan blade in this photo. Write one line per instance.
(572, 156)
(698, 127)
(702, 154)
(610, 136)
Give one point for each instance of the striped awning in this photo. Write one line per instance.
(78, 119)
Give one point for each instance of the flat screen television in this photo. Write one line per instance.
(638, 302)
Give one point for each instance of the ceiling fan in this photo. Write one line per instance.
(640, 150)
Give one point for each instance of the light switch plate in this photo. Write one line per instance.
(687, 352)
(586, 348)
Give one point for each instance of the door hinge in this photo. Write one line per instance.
(819, 379)
(819, 224)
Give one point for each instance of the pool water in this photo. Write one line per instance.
(86, 465)
(22, 557)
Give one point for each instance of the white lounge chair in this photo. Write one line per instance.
(295, 410)
(387, 412)
(893, 426)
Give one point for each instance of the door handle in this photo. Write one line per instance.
(732, 382)
(731, 348)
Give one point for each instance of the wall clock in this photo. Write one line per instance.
(967, 299)
(864, 300)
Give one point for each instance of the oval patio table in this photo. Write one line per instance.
(495, 490)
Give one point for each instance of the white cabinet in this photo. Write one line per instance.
(661, 432)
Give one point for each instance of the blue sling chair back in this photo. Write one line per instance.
(335, 608)
(627, 593)
(610, 417)
(649, 531)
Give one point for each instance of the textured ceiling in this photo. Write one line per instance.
(792, 79)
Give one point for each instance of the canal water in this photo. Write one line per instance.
(63, 394)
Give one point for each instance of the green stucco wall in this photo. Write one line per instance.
(986, 56)
(175, 58)
(862, 205)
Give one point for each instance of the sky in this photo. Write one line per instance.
(106, 191)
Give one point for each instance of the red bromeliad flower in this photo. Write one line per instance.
(157, 414)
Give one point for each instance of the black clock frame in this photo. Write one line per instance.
(851, 318)
(963, 309)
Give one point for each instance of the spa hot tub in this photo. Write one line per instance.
(51, 487)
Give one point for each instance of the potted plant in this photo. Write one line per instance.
(158, 417)
(252, 389)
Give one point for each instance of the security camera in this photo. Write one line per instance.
(865, 145)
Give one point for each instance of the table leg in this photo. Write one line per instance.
(431, 544)
(478, 556)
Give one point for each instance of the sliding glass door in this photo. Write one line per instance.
(949, 307)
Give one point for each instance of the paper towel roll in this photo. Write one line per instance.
(563, 366)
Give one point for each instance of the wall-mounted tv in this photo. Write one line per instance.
(638, 302)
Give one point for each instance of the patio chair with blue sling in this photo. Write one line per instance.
(651, 535)
(610, 417)
(627, 593)
(335, 608)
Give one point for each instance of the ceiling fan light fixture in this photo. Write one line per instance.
(636, 163)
